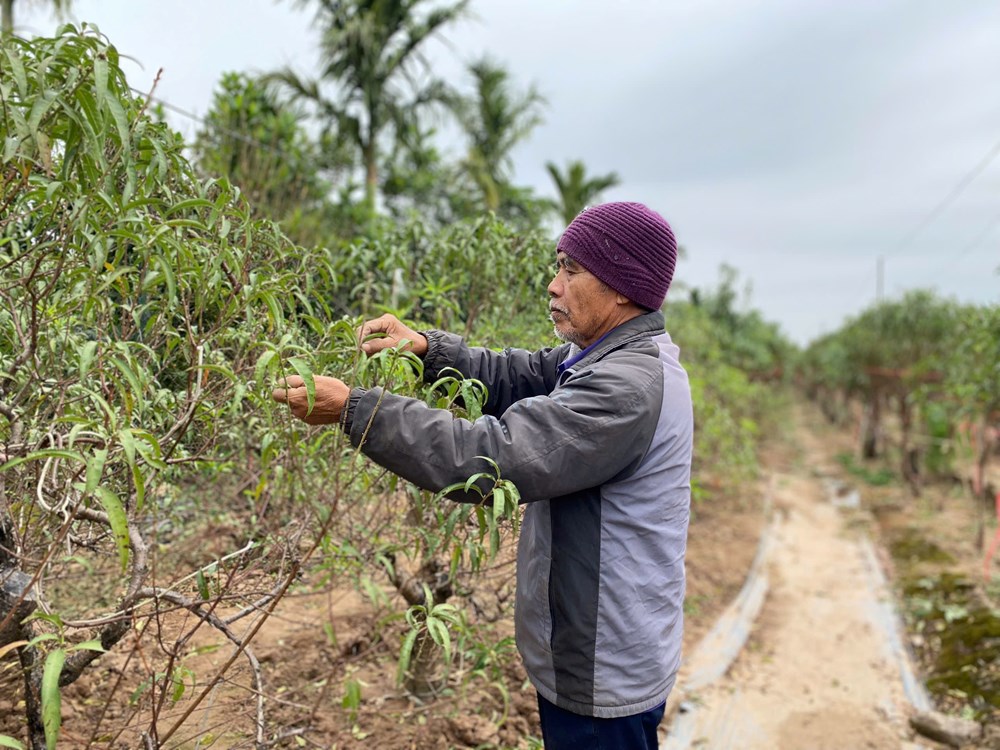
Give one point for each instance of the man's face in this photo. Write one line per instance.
(581, 306)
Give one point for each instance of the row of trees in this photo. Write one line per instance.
(738, 364)
(933, 361)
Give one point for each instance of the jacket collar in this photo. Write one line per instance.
(643, 326)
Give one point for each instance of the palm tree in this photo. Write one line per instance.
(495, 119)
(576, 192)
(371, 50)
(7, 13)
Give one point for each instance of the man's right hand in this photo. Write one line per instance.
(395, 333)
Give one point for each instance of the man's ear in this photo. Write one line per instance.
(621, 299)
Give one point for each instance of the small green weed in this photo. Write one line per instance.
(880, 477)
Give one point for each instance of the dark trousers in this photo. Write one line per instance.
(565, 730)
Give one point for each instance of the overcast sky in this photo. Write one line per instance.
(796, 141)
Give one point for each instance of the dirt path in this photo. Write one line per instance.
(819, 669)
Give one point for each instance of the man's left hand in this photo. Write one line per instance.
(331, 399)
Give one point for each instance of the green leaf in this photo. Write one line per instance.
(494, 540)
(10, 144)
(109, 279)
(51, 698)
(262, 363)
(130, 375)
(52, 190)
(87, 352)
(331, 634)
(440, 635)
(149, 447)
(352, 696)
(140, 486)
(119, 523)
(499, 504)
(43, 637)
(472, 395)
(128, 444)
(177, 677)
(305, 372)
(17, 70)
(38, 110)
(7, 741)
(91, 645)
(199, 578)
(185, 207)
(95, 467)
(473, 479)
(101, 77)
(118, 113)
(404, 655)
(105, 407)
(168, 278)
(274, 309)
(449, 523)
(480, 520)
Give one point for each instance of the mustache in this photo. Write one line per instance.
(556, 308)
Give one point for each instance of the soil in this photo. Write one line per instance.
(321, 641)
(814, 674)
(935, 549)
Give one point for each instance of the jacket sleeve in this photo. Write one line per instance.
(509, 376)
(596, 425)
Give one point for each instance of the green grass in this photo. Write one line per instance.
(879, 477)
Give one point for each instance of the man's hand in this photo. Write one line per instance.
(395, 333)
(331, 399)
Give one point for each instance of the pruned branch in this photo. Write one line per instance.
(220, 625)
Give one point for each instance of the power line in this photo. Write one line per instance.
(948, 199)
(978, 240)
(933, 214)
(952, 261)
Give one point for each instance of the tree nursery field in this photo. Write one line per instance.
(183, 565)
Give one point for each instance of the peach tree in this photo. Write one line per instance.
(145, 314)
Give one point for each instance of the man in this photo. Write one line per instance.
(596, 434)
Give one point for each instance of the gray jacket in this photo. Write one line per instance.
(601, 454)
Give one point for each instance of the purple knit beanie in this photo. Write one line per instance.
(628, 246)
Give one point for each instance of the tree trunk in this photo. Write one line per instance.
(371, 177)
(870, 427)
(979, 493)
(985, 446)
(844, 409)
(909, 456)
(31, 665)
(422, 678)
(7, 17)
(17, 601)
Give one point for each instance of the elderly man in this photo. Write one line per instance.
(596, 434)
